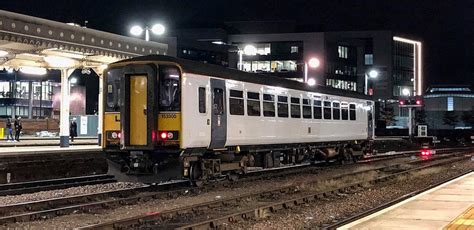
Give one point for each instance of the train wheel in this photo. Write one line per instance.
(196, 175)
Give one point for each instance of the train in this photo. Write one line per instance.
(166, 118)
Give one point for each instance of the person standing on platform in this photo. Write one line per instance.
(9, 130)
(18, 128)
(73, 129)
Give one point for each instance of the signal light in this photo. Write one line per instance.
(418, 102)
(401, 102)
(425, 152)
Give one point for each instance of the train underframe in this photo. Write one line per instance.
(202, 166)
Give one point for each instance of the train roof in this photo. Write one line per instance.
(233, 74)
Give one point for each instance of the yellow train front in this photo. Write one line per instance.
(142, 120)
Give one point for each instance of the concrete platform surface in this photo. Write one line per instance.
(448, 206)
(46, 142)
(47, 149)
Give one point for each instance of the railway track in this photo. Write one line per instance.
(92, 202)
(223, 212)
(44, 185)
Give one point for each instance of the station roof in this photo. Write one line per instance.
(27, 40)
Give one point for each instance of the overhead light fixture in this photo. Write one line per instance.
(33, 70)
(73, 80)
(3, 53)
(250, 50)
(136, 30)
(55, 61)
(158, 29)
(311, 82)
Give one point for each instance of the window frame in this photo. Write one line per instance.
(268, 102)
(320, 106)
(232, 97)
(325, 109)
(200, 105)
(282, 103)
(336, 110)
(254, 100)
(352, 110)
(294, 105)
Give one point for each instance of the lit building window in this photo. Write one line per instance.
(450, 104)
(342, 51)
(294, 49)
(270, 66)
(369, 59)
(255, 49)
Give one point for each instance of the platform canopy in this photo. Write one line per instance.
(27, 41)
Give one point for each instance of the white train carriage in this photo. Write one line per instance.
(217, 121)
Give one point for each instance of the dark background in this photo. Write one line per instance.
(444, 26)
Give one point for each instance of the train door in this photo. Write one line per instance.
(370, 120)
(138, 110)
(218, 114)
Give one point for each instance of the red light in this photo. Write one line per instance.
(425, 152)
(164, 135)
(402, 102)
(418, 102)
(119, 135)
(153, 136)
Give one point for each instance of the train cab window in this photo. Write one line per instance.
(327, 110)
(352, 112)
(202, 99)
(317, 109)
(170, 95)
(113, 97)
(306, 109)
(282, 106)
(253, 104)
(218, 103)
(336, 111)
(345, 111)
(295, 107)
(268, 105)
(236, 102)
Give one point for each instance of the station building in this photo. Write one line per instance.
(454, 103)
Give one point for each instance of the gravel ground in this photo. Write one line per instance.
(317, 214)
(80, 219)
(87, 189)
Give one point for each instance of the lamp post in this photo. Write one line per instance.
(157, 29)
(311, 63)
(372, 74)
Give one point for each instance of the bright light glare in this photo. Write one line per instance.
(373, 74)
(3, 53)
(33, 70)
(313, 63)
(136, 30)
(158, 29)
(311, 82)
(405, 92)
(73, 80)
(250, 50)
(55, 61)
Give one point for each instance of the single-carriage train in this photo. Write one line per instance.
(167, 118)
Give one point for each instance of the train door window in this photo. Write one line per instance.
(327, 110)
(113, 102)
(170, 89)
(268, 105)
(344, 111)
(306, 109)
(202, 99)
(336, 111)
(253, 104)
(295, 107)
(352, 112)
(218, 101)
(236, 102)
(282, 106)
(317, 110)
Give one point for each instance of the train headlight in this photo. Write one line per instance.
(170, 135)
(164, 135)
(114, 135)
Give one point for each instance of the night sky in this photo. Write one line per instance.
(446, 27)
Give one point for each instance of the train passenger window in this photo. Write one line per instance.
(202, 99)
(236, 102)
(317, 110)
(169, 89)
(295, 107)
(282, 106)
(113, 102)
(345, 111)
(336, 111)
(218, 105)
(306, 109)
(268, 105)
(327, 110)
(352, 112)
(253, 104)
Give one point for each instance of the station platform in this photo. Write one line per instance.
(448, 206)
(27, 150)
(32, 141)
